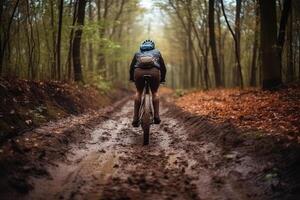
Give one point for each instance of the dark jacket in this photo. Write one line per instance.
(160, 64)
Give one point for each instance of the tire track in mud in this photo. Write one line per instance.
(113, 164)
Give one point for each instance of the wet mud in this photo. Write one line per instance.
(182, 161)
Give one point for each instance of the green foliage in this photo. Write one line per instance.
(179, 92)
(98, 81)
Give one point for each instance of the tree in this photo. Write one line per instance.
(237, 38)
(212, 42)
(268, 37)
(282, 29)
(255, 47)
(58, 40)
(71, 38)
(90, 44)
(52, 28)
(77, 41)
(5, 33)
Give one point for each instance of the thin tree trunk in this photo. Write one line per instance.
(58, 41)
(38, 50)
(18, 49)
(298, 41)
(212, 41)
(30, 42)
(236, 38)
(46, 35)
(53, 68)
(282, 28)
(195, 71)
(190, 56)
(117, 17)
(255, 47)
(6, 34)
(77, 41)
(239, 80)
(290, 60)
(102, 30)
(90, 45)
(206, 74)
(71, 37)
(220, 46)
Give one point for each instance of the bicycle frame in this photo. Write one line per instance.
(146, 110)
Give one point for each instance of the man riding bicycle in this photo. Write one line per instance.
(147, 61)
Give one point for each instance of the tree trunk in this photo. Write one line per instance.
(71, 37)
(269, 58)
(58, 40)
(238, 69)
(212, 41)
(90, 45)
(239, 77)
(290, 56)
(102, 30)
(190, 56)
(30, 42)
(282, 28)
(255, 47)
(53, 68)
(220, 47)
(77, 41)
(206, 74)
(38, 52)
(6, 33)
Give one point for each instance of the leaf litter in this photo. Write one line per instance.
(270, 112)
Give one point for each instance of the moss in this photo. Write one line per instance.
(179, 93)
(54, 112)
(38, 119)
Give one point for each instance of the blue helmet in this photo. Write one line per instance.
(147, 45)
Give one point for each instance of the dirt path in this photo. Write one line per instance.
(113, 164)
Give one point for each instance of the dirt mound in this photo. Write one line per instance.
(27, 104)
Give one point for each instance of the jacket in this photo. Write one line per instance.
(160, 64)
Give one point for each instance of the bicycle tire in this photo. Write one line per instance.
(146, 119)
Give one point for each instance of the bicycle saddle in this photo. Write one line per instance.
(147, 77)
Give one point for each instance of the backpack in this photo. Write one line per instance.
(146, 61)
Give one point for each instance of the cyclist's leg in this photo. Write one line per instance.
(154, 85)
(139, 83)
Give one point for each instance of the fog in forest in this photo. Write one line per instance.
(205, 44)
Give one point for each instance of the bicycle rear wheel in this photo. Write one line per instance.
(146, 119)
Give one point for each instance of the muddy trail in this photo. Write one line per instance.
(184, 160)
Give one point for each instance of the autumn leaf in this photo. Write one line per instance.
(273, 112)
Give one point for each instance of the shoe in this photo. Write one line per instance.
(157, 120)
(135, 123)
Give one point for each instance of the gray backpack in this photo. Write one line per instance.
(146, 61)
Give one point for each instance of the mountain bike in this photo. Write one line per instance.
(146, 112)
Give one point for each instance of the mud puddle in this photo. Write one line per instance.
(113, 164)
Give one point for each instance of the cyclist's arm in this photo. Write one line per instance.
(163, 69)
(131, 70)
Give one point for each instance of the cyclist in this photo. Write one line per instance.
(147, 61)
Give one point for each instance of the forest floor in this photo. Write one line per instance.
(208, 152)
(25, 105)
